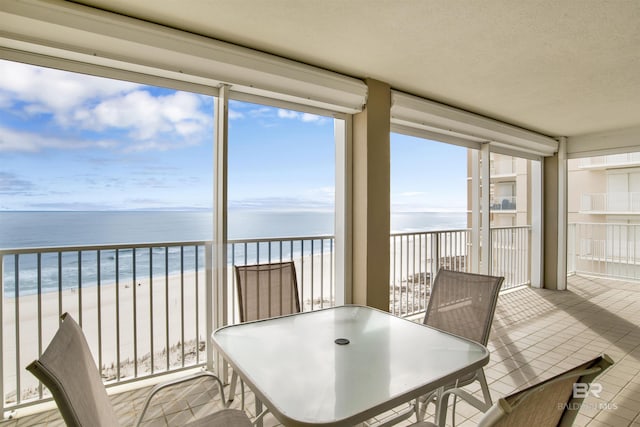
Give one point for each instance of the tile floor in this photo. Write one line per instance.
(536, 334)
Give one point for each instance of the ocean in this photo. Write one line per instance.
(20, 230)
(53, 229)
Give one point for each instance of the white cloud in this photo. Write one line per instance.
(52, 91)
(235, 115)
(11, 140)
(76, 101)
(287, 114)
(304, 117)
(261, 112)
(11, 184)
(281, 204)
(312, 118)
(146, 116)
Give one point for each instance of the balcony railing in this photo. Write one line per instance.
(507, 203)
(416, 258)
(611, 250)
(144, 307)
(610, 203)
(503, 167)
(314, 260)
(613, 160)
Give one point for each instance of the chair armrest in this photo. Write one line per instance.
(176, 382)
(495, 413)
(469, 398)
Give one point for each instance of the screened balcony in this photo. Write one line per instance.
(525, 81)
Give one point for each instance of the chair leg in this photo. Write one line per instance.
(442, 402)
(232, 387)
(485, 388)
(423, 401)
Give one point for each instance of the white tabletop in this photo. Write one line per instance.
(297, 370)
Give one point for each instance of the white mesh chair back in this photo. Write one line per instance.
(463, 304)
(68, 370)
(267, 290)
(549, 403)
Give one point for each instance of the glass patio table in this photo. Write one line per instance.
(343, 365)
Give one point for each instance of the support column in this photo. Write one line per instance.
(344, 218)
(485, 235)
(218, 288)
(475, 211)
(371, 198)
(537, 212)
(555, 219)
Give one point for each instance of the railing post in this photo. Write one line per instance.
(435, 255)
(208, 278)
(2, 337)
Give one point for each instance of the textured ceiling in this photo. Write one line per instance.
(559, 67)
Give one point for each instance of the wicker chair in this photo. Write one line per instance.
(462, 304)
(551, 403)
(68, 370)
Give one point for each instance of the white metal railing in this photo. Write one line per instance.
(610, 202)
(416, 258)
(313, 258)
(611, 250)
(142, 307)
(503, 167)
(510, 255)
(623, 159)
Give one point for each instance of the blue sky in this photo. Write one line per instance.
(77, 142)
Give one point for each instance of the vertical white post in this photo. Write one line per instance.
(562, 214)
(485, 238)
(2, 338)
(209, 303)
(537, 209)
(343, 213)
(475, 211)
(220, 284)
(435, 255)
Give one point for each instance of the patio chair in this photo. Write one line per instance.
(462, 304)
(550, 403)
(69, 371)
(265, 290)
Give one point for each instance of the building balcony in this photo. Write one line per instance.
(503, 169)
(610, 203)
(610, 161)
(506, 204)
